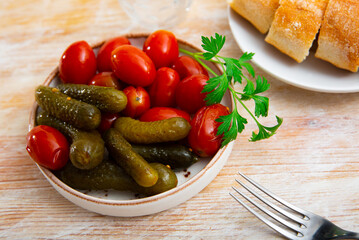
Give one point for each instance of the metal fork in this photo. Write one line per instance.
(304, 226)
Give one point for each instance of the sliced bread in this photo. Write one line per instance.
(295, 26)
(338, 41)
(258, 12)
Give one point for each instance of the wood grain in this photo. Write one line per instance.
(312, 161)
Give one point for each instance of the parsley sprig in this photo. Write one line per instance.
(218, 85)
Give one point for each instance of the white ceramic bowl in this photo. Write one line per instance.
(117, 203)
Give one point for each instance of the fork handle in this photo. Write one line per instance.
(349, 236)
(330, 231)
(346, 235)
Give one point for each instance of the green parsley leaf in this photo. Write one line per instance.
(233, 69)
(246, 57)
(248, 89)
(213, 45)
(249, 69)
(232, 124)
(262, 85)
(217, 86)
(244, 62)
(261, 106)
(261, 103)
(266, 132)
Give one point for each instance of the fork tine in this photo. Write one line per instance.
(272, 215)
(273, 206)
(275, 227)
(272, 195)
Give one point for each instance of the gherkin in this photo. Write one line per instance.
(175, 155)
(108, 175)
(107, 99)
(87, 147)
(133, 164)
(135, 131)
(79, 114)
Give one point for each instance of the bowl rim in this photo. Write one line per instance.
(130, 202)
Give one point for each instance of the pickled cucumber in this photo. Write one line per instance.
(108, 175)
(106, 99)
(130, 161)
(167, 130)
(87, 148)
(167, 180)
(79, 114)
(175, 155)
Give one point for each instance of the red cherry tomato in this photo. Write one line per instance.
(161, 113)
(138, 101)
(78, 63)
(107, 120)
(133, 66)
(105, 79)
(47, 147)
(162, 47)
(104, 54)
(187, 66)
(189, 96)
(163, 89)
(203, 138)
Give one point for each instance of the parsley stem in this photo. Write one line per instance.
(239, 93)
(223, 68)
(233, 92)
(198, 56)
(235, 95)
(205, 66)
(186, 51)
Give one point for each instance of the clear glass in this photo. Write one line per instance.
(156, 14)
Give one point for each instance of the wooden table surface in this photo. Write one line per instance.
(312, 161)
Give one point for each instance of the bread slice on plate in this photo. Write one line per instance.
(258, 12)
(295, 26)
(338, 41)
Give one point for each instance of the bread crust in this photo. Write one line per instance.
(338, 41)
(258, 12)
(295, 26)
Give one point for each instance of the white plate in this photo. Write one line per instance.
(124, 204)
(312, 74)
